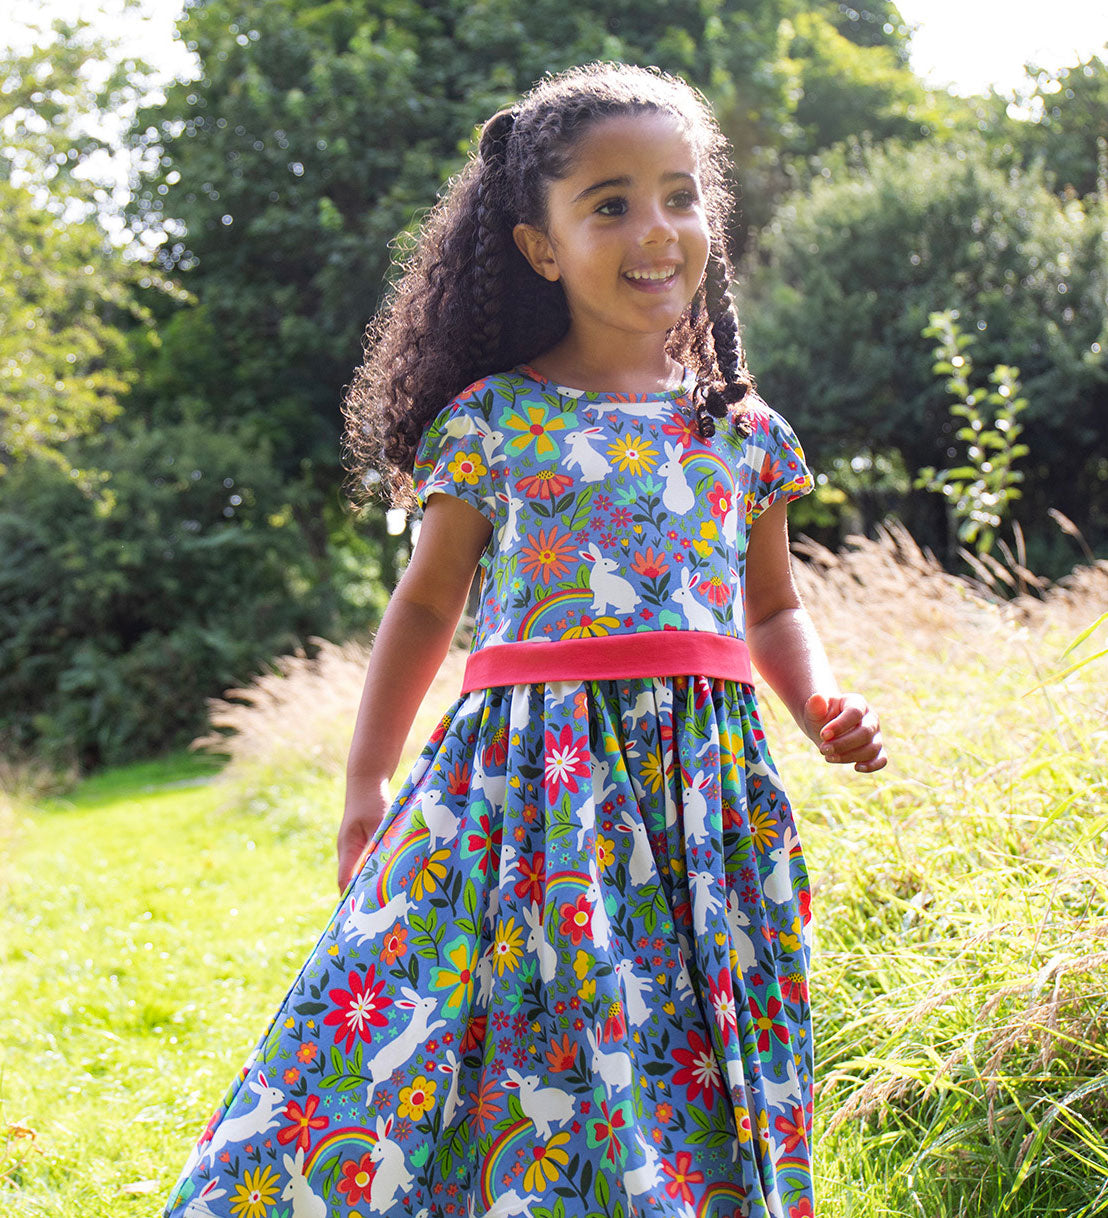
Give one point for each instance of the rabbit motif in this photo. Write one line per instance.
(365, 924)
(782, 1095)
(678, 496)
(450, 1069)
(641, 866)
(537, 942)
(593, 466)
(778, 885)
(601, 923)
(391, 1176)
(306, 1202)
(442, 824)
(647, 1175)
(509, 531)
(490, 441)
(511, 1205)
(695, 806)
(249, 1125)
(396, 1051)
(197, 1207)
(614, 1068)
(545, 1106)
(607, 588)
(697, 614)
(738, 923)
(704, 900)
(635, 990)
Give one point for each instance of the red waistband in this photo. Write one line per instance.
(653, 653)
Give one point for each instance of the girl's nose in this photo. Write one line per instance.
(658, 228)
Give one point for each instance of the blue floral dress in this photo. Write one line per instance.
(570, 978)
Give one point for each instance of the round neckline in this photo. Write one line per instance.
(659, 395)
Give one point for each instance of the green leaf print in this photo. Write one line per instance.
(309, 1008)
(601, 1191)
(581, 511)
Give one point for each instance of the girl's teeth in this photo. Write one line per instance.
(649, 274)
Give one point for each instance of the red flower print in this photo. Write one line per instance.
(474, 1035)
(794, 1129)
(562, 1054)
(457, 781)
(544, 485)
(566, 761)
(680, 1177)
(771, 470)
(721, 500)
(532, 877)
(577, 920)
(722, 997)
(496, 750)
(648, 564)
(357, 1009)
(766, 1022)
(357, 1176)
(547, 555)
(485, 843)
(803, 1210)
(715, 591)
(306, 1052)
(615, 1028)
(301, 1122)
(683, 430)
(699, 1072)
(621, 518)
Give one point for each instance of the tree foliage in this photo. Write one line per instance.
(849, 271)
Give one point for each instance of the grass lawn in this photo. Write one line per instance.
(960, 984)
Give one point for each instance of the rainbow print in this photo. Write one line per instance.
(704, 464)
(401, 856)
(354, 1139)
(545, 612)
(722, 1193)
(501, 1154)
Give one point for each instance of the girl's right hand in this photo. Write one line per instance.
(366, 803)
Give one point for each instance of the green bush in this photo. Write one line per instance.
(120, 613)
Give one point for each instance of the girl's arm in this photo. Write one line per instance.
(412, 641)
(787, 652)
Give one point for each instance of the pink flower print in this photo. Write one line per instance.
(721, 500)
(357, 1009)
(566, 761)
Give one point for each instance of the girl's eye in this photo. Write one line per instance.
(683, 199)
(612, 207)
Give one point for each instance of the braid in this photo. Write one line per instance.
(733, 381)
(490, 254)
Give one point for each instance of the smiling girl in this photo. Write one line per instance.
(568, 974)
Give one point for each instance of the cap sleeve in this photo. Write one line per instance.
(453, 458)
(779, 466)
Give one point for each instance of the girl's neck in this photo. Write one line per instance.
(644, 369)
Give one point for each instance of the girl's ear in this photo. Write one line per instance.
(535, 246)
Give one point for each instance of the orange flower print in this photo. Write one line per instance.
(546, 484)
(547, 556)
(562, 1054)
(395, 944)
(715, 591)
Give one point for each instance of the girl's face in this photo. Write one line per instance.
(626, 234)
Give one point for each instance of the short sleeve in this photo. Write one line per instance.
(779, 467)
(454, 456)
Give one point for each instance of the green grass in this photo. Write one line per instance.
(153, 919)
(150, 930)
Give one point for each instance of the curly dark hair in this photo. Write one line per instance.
(468, 304)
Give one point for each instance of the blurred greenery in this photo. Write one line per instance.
(269, 195)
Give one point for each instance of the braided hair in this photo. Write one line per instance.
(467, 303)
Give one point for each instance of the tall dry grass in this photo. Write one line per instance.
(959, 982)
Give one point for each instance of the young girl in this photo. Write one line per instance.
(568, 974)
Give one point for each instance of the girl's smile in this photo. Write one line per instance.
(625, 235)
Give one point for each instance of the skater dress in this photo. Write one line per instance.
(570, 978)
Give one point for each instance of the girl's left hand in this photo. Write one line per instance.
(847, 731)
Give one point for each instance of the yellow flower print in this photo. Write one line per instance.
(708, 530)
(430, 874)
(418, 1098)
(467, 467)
(591, 627)
(789, 942)
(588, 990)
(703, 548)
(763, 829)
(581, 964)
(653, 770)
(256, 1193)
(535, 425)
(547, 1164)
(605, 853)
(506, 949)
(636, 455)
